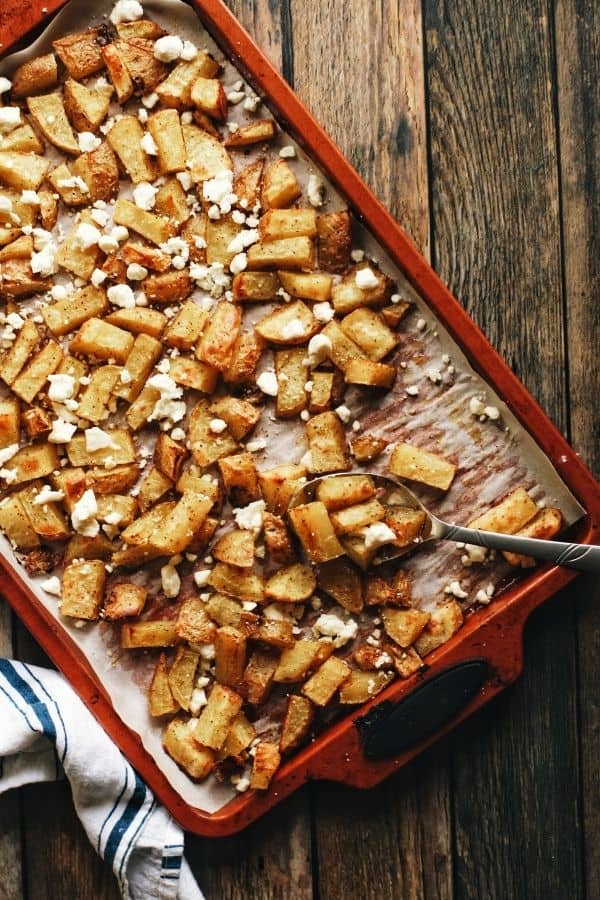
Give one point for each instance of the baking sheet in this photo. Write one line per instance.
(493, 456)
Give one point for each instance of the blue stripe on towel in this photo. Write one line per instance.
(131, 810)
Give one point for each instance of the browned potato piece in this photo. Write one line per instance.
(327, 443)
(240, 478)
(345, 490)
(409, 525)
(244, 359)
(125, 599)
(141, 28)
(9, 421)
(296, 724)
(216, 717)
(182, 676)
(239, 737)
(313, 526)
(171, 201)
(193, 374)
(118, 72)
(292, 253)
(206, 155)
(544, 525)
(371, 374)
(291, 324)
(37, 74)
(278, 224)
(162, 701)
(253, 133)
(279, 484)
(236, 548)
(404, 625)
(277, 539)
(121, 453)
(22, 140)
(393, 315)
(22, 171)
(100, 171)
(206, 446)
(258, 676)
(444, 622)
(227, 611)
(219, 235)
(193, 624)
(280, 187)
(143, 68)
(83, 589)
(95, 399)
(371, 659)
(175, 91)
(335, 241)
(291, 378)
(72, 256)
(511, 514)
(19, 281)
(34, 461)
(176, 531)
(150, 633)
(218, 340)
(36, 421)
(237, 582)
(240, 415)
(66, 315)
(343, 350)
(406, 662)
(251, 286)
(340, 580)
(154, 228)
(70, 194)
(367, 447)
(230, 656)
(190, 480)
(80, 547)
(149, 257)
(348, 296)
(367, 329)
(208, 94)
(266, 762)
(125, 139)
(296, 661)
(354, 518)
(85, 108)
(422, 466)
(16, 525)
(99, 339)
(48, 113)
(165, 128)
(20, 351)
(274, 632)
(47, 520)
(308, 285)
(328, 678)
(181, 746)
(362, 686)
(246, 185)
(292, 584)
(81, 52)
(33, 377)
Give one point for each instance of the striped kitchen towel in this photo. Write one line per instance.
(45, 731)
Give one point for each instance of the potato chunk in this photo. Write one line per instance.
(266, 762)
(48, 113)
(328, 678)
(367, 329)
(292, 584)
(422, 466)
(101, 340)
(444, 622)
(296, 724)
(345, 490)
(511, 514)
(165, 128)
(198, 761)
(81, 52)
(313, 526)
(216, 717)
(37, 74)
(280, 187)
(544, 525)
(124, 600)
(404, 625)
(83, 589)
(291, 324)
(327, 443)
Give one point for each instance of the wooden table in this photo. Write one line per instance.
(478, 124)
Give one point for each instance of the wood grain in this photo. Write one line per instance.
(496, 238)
(577, 30)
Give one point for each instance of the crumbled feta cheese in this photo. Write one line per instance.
(88, 141)
(31, 198)
(83, 515)
(51, 586)
(434, 375)
(61, 432)
(421, 324)
(305, 415)
(169, 405)
(43, 261)
(148, 145)
(61, 387)
(198, 700)
(217, 426)
(178, 434)
(10, 118)
(5, 85)
(357, 255)
(455, 590)
(144, 195)
(484, 595)
(97, 439)
(150, 100)
(143, 115)
(343, 413)
(319, 348)
(492, 412)
(412, 390)
(98, 277)
(377, 534)
(473, 554)
(292, 329)
(47, 495)
(235, 97)
(185, 180)
(323, 312)
(356, 425)
(135, 272)
(315, 191)
(7, 453)
(250, 517)
(126, 11)
(9, 475)
(121, 295)
(219, 190)
(476, 407)
(201, 577)
(238, 263)
(256, 445)
(86, 236)
(207, 652)
(331, 625)
(267, 383)
(170, 580)
(287, 152)
(243, 240)
(168, 48)
(366, 278)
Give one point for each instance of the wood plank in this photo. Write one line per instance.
(394, 841)
(577, 41)
(10, 813)
(496, 234)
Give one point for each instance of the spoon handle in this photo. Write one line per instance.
(576, 556)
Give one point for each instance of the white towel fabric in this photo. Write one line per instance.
(45, 729)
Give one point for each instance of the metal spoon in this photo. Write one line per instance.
(394, 493)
